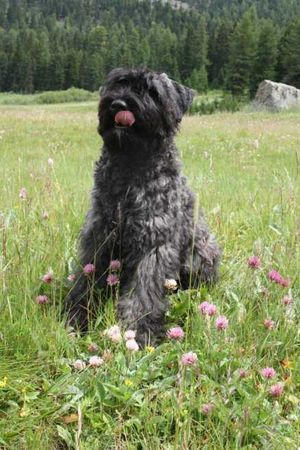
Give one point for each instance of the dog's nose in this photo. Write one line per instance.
(118, 105)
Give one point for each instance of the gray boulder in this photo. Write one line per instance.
(276, 96)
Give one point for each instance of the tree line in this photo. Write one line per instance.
(232, 45)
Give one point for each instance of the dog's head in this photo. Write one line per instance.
(138, 105)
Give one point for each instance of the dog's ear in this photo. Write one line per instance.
(185, 96)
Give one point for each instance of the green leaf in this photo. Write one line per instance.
(65, 435)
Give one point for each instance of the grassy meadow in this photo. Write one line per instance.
(245, 168)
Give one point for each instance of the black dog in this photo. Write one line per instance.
(142, 211)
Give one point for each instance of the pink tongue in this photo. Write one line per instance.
(125, 118)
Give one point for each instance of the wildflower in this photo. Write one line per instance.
(203, 307)
(50, 162)
(129, 334)
(268, 372)
(287, 300)
(254, 262)
(221, 323)
(23, 193)
(207, 408)
(149, 349)
(132, 345)
(171, 284)
(211, 309)
(189, 359)
(286, 363)
(93, 348)
(45, 215)
(42, 299)
(79, 364)
(89, 269)
(207, 309)
(128, 382)
(3, 382)
(72, 277)
(276, 389)
(175, 333)
(277, 278)
(95, 361)
(284, 282)
(48, 278)
(242, 373)
(115, 264)
(269, 324)
(114, 333)
(112, 279)
(274, 276)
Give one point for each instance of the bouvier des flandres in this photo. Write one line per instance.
(142, 211)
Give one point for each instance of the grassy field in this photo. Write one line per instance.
(245, 169)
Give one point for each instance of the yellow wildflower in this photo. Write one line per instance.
(3, 383)
(149, 349)
(287, 363)
(128, 382)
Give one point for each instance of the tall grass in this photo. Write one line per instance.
(245, 171)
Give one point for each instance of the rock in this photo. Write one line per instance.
(276, 96)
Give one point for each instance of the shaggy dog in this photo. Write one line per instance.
(142, 210)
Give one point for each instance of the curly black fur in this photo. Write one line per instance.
(142, 210)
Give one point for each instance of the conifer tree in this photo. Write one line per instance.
(3, 12)
(266, 57)
(218, 53)
(290, 54)
(243, 47)
(195, 56)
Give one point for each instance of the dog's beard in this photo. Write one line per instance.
(120, 138)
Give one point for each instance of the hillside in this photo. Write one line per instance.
(226, 44)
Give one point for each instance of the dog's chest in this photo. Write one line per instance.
(141, 206)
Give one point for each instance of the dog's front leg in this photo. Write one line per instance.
(142, 304)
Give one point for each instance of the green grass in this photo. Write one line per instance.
(245, 170)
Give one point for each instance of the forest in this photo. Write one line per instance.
(224, 44)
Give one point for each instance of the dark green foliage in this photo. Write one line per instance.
(195, 56)
(242, 52)
(219, 50)
(290, 54)
(266, 55)
(59, 44)
(226, 102)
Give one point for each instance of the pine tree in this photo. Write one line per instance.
(218, 53)
(198, 80)
(266, 57)
(42, 60)
(72, 66)
(195, 60)
(243, 47)
(290, 54)
(195, 49)
(3, 12)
